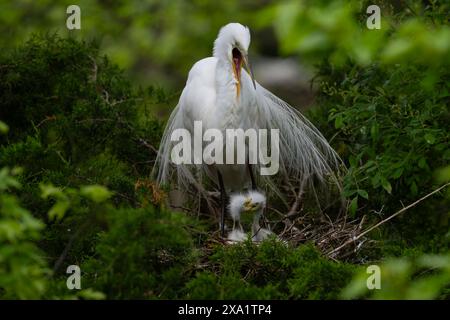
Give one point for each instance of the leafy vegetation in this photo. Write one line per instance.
(78, 140)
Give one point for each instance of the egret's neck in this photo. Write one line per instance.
(227, 94)
(226, 81)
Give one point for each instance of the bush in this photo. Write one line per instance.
(73, 117)
(383, 103)
(86, 140)
(73, 120)
(421, 278)
(144, 253)
(270, 271)
(22, 264)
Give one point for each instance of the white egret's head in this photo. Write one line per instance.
(232, 45)
(256, 202)
(249, 203)
(237, 203)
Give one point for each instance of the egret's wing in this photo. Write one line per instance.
(305, 154)
(164, 169)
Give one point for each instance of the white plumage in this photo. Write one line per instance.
(254, 203)
(236, 235)
(259, 204)
(235, 208)
(223, 96)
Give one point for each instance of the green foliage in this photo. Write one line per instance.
(77, 129)
(68, 98)
(270, 271)
(390, 129)
(144, 253)
(24, 272)
(387, 116)
(337, 30)
(147, 38)
(86, 139)
(425, 277)
(3, 127)
(74, 121)
(22, 264)
(383, 94)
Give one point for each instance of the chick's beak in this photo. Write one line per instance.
(248, 206)
(249, 69)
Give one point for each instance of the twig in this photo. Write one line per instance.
(47, 118)
(298, 198)
(147, 145)
(387, 219)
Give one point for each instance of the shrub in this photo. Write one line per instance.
(22, 265)
(74, 120)
(144, 253)
(269, 271)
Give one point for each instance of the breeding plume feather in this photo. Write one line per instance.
(222, 95)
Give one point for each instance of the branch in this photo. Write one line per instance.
(388, 218)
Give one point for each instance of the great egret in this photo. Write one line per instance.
(254, 203)
(221, 95)
(238, 204)
(236, 208)
(257, 205)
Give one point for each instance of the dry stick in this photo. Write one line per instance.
(298, 198)
(388, 218)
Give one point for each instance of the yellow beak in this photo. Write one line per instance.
(248, 67)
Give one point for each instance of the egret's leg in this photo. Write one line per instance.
(223, 199)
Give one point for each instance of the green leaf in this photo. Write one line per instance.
(352, 161)
(413, 188)
(338, 122)
(374, 131)
(434, 261)
(363, 194)
(349, 192)
(356, 288)
(422, 163)
(397, 174)
(7, 180)
(396, 50)
(313, 41)
(353, 206)
(48, 190)
(386, 185)
(376, 180)
(59, 210)
(429, 138)
(90, 294)
(3, 128)
(96, 193)
(443, 175)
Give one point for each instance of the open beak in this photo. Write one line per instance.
(248, 67)
(248, 205)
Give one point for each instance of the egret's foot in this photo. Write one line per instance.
(236, 236)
